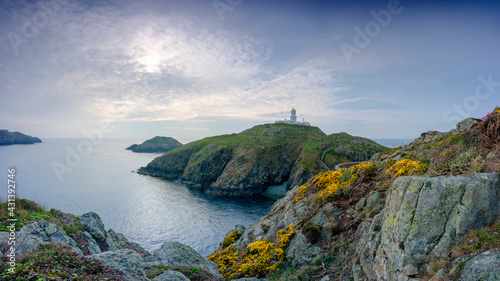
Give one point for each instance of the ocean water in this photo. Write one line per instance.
(392, 143)
(100, 177)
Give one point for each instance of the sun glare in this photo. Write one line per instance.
(151, 63)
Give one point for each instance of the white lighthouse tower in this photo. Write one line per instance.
(293, 116)
(293, 119)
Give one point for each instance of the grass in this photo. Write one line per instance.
(24, 211)
(478, 241)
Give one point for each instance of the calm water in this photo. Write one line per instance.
(146, 210)
(391, 143)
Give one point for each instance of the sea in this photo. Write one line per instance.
(78, 176)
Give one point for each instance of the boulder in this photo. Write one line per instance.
(465, 126)
(424, 218)
(94, 226)
(56, 234)
(29, 238)
(300, 252)
(171, 275)
(92, 245)
(175, 253)
(483, 267)
(361, 204)
(373, 200)
(124, 260)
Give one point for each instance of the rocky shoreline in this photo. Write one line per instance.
(112, 249)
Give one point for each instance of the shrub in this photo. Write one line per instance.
(59, 262)
(261, 257)
(231, 238)
(300, 193)
(406, 167)
(334, 183)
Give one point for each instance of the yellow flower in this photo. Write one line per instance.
(406, 167)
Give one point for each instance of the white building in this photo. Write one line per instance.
(293, 119)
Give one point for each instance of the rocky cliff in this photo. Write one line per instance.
(265, 155)
(426, 211)
(51, 245)
(8, 138)
(156, 145)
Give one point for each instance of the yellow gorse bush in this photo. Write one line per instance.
(406, 167)
(301, 192)
(261, 257)
(231, 238)
(334, 182)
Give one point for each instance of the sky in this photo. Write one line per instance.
(196, 68)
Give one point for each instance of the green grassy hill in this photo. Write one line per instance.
(265, 155)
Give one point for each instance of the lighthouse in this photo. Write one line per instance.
(293, 116)
(293, 119)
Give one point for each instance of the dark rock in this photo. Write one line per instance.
(94, 226)
(92, 245)
(156, 145)
(8, 138)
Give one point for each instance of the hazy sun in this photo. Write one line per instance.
(151, 63)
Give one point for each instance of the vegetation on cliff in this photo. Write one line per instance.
(265, 155)
(156, 145)
(338, 216)
(8, 138)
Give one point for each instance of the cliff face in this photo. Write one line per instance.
(8, 138)
(156, 145)
(266, 155)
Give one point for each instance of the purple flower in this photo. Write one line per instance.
(496, 233)
(470, 241)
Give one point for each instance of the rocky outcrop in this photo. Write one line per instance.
(8, 138)
(34, 234)
(266, 155)
(423, 219)
(171, 275)
(112, 249)
(177, 254)
(483, 267)
(126, 261)
(156, 145)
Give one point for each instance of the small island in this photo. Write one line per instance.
(156, 145)
(9, 138)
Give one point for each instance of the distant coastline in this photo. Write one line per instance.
(10, 138)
